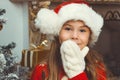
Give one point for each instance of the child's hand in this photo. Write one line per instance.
(73, 58)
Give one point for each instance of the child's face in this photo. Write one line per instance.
(76, 31)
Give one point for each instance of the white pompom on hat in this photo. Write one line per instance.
(51, 21)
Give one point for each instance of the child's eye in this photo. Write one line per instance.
(67, 28)
(82, 30)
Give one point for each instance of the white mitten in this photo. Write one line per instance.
(73, 58)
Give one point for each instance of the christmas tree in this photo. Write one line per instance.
(2, 20)
(9, 68)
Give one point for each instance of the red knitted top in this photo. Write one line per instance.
(41, 73)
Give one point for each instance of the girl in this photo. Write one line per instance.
(75, 28)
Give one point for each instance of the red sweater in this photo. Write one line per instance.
(41, 71)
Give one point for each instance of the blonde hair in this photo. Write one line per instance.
(54, 61)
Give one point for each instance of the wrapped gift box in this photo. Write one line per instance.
(30, 58)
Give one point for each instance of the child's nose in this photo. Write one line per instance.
(74, 35)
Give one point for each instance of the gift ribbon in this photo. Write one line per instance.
(31, 58)
(25, 59)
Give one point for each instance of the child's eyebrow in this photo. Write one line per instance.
(84, 26)
(67, 24)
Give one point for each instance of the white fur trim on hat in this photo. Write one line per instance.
(50, 22)
(47, 21)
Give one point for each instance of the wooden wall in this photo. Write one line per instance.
(109, 41)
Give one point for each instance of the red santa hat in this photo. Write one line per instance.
(51, 21)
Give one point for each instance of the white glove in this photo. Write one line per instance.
(73, 58)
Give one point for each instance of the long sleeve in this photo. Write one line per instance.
(101, 73)
(40, 72)
(81, 76)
